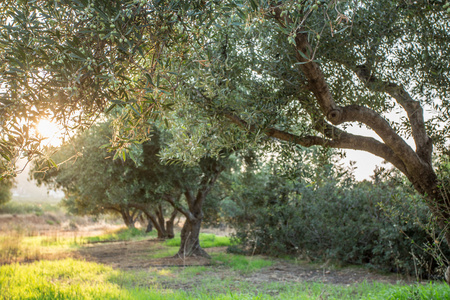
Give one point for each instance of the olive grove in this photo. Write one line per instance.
(226, 74)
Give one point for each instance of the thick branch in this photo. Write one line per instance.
(180, 208)
(336, 139)
(316, 80)
(206, 184)
(414, 110)
(111, 208)
(367, 116)
(337, 115)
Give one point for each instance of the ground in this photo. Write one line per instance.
(133, 255)
(138, 256)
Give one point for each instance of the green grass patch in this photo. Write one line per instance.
(242, 263)
(73, 279)
(123, 234)
(206, 241)
(164, 252)
(16, 247)
(69, 279)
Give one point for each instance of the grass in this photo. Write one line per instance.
(206, 241)
(123, 234)
(244, 264)
(229, 276)
(72, 279)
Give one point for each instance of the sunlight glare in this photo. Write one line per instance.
(50, 131)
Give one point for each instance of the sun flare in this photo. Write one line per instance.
(50, 131)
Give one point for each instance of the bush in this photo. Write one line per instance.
(384, 225)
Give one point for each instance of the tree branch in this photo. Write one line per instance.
(180, 208)
(414, 110)
(336, 138)
(367, 116)
(337, 115)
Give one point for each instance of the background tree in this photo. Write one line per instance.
(94, 183)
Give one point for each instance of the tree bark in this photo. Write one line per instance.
(190, 242)
(169, 225)
(161, 225)
(190, 233)
(149, 226)
(127, 219)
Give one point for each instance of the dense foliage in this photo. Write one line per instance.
(328, 215)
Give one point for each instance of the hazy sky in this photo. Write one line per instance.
(28, 189)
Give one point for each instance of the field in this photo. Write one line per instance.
(59, 260)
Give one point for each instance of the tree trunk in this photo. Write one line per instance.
(190, 233)
(149, 226)
(162, 232)
(153, 219)
(426, 182)
(169, 225)
(127, 219)
(190, 243)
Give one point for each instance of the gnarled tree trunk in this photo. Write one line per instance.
(190, 243)
(190, 233)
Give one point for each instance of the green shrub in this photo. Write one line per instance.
(382, 225)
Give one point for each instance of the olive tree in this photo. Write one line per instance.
(94, 183)
(303, 72)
